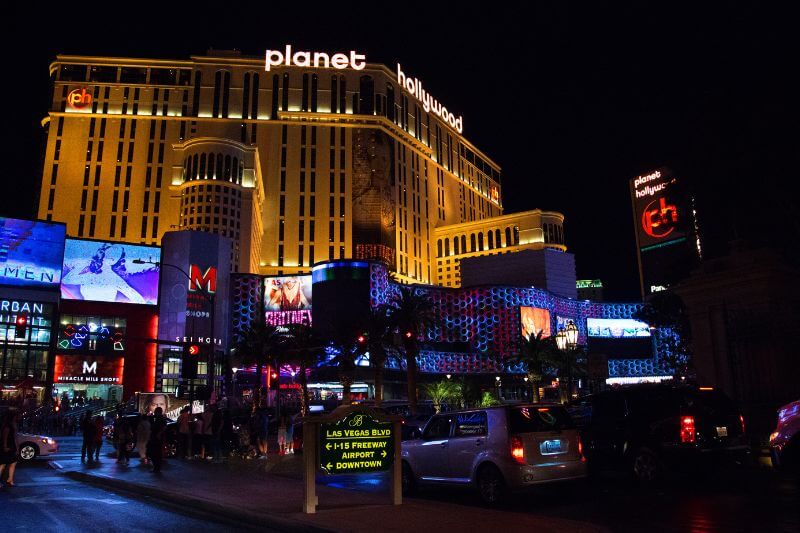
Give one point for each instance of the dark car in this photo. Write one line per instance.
(784, 442)
(170, 435)
(650, 429)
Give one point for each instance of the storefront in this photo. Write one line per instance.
(87, 378)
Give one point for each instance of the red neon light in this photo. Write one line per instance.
(202, 281)
(79, 98)
(658, 222)
(687, 429)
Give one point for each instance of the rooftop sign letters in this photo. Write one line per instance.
(79, 98)
(280, 58)
(356, 443)
(414, 86)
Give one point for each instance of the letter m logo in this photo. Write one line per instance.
(90, 369)
(202, 281)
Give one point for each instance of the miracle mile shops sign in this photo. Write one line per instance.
(356, 443)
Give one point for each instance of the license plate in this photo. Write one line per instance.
(722, 431)
(552, 447)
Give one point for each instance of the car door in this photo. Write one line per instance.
(606, 429)
(431, 456)
(467, 443)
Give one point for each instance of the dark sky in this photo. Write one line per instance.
(571, 101)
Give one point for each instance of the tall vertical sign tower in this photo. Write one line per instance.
(667, 238)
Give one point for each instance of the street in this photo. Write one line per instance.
(45, 500)
(754, 498)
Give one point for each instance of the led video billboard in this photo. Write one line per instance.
(616, 328)
(287, 300)
(534, 320)
(31, 252)
(106, 272)
(169, 404)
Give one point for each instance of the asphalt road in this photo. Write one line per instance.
(44, 500)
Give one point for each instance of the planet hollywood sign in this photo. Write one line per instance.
(356, 61)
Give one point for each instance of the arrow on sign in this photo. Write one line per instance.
(383, 453)
(328, 446)
(329, 466)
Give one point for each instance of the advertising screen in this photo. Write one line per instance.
(88, 369)
(616, 328)
(533, 320)
(31, 252)
(148, 401)
(287, 300)
(107, 272)
(660, 207)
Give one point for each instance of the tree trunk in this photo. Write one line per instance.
(304, 390)
(411, 363)
(257, 389)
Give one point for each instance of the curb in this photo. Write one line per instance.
(198, 505)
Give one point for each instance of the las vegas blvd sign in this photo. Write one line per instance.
(356, 443)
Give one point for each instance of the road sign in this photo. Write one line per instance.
(356, 443)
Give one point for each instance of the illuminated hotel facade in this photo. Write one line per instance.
(296, 163)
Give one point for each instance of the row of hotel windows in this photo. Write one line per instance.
(476, 242)
(213, 166)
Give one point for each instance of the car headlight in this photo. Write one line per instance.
(773, 436)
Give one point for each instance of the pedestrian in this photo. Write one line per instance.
(282, 434)
(122, 436)
(262, 431)
(208, 432)
(290, 435)
(142, 438)
(216, 433)
(8, 444)
(198, 437)
(155, 448)
(185, 433)
(98, 436)
(88, 430)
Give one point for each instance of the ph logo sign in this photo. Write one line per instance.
(79, 98)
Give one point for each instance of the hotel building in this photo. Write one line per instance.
(296, 164)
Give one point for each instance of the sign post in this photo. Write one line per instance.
(351, 440)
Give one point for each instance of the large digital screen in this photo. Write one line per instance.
(31, 252)
(108, 272)
(169, 404)
(534, 320)
(88, 369)
(287, 300)
(617, 328)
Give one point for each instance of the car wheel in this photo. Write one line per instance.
(491, 485)
(28, 451)
(408, 482)
(646, 467)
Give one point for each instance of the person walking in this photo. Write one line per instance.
(142, 438)
(282, 435)
(98, 436)
(208, 432)
(88, 429)
(262, 431)
(185, 433)
(216, 433)
(155, 448)
(122, 436)
(8, 445)
(290, 434)
(198, 437)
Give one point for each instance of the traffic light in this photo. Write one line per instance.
(273, 380)
(191, 355)
(21, 330)
(361, 343)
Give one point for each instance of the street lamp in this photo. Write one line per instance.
(571, 334)
(208, 298)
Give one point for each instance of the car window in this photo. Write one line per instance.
(531, 419)
(438, 428)
(471, 424)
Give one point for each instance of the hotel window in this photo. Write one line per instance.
(314, 91)
(274, 114)
(508, 237)
(334, 97)
(103, 74)
(304, 94)
(245, 98)
(198, 76)
(254, 101)
(366, 95)
(282, 206)
(285, 93)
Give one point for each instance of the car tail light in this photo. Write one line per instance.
(580, 450)
(517, 451)
(687, 429)
(741, 419)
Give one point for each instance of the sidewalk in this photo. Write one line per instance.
(269, 493)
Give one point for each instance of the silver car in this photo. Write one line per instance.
(495, 449)
(31, 446)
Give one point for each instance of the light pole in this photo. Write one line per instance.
(567, 342)
(211, 362)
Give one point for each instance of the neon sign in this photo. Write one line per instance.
(414, 86)
(659, 221)
(202, 281)
(276, 58)
(91, 337)
(79, 98)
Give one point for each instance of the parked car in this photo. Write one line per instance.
(784, 442)
(31, 446)
(496, 450)
(170, 435)
(649, 429)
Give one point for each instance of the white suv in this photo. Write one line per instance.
(495, 449)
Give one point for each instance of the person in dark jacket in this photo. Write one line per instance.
(8, 444)
(88, 429)
(155, 448)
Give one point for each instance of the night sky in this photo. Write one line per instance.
(571, 101)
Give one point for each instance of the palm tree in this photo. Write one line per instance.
(377, 334)
(442, 391)
(306, 349)
(537, 353)
(258, 345)
(412, 313)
